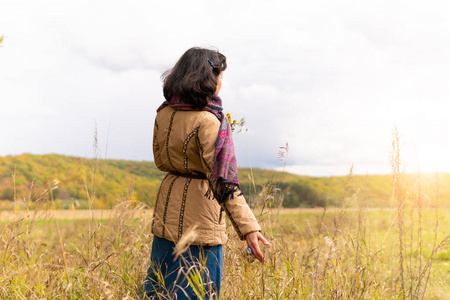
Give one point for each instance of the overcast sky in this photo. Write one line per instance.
(329, 77)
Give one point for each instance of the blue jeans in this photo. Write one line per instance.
(174, 278)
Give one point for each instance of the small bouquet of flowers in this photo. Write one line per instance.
(235, 125)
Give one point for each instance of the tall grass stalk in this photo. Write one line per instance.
(413, 273)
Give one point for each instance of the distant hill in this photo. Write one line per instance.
(31, 177)
(103, 180)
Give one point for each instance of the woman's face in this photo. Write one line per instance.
(219, 83)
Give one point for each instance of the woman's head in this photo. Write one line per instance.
(195, 76)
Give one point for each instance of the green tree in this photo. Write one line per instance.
(298, 194)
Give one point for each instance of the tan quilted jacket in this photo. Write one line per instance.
(184, 142)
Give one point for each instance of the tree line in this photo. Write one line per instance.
(74, 179)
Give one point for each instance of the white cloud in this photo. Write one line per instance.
(330, 78)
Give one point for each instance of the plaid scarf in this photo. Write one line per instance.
(223, 180)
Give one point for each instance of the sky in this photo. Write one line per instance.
(330, 78)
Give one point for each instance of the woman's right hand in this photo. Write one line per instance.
(252, 241)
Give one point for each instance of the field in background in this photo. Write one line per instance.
(313, 254)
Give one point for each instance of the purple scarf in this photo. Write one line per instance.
(224, 179)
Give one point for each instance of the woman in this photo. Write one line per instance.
(192, 142)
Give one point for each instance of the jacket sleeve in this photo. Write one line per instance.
(240, 215)
(236, 208)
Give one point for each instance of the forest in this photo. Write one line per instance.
(27, 177)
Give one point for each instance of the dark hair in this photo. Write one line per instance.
(194, 78)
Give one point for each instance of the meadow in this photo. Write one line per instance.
(343, 250)
(334, 253)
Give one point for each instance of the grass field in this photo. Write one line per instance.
(345, 254)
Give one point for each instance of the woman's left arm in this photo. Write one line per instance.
(240, 215)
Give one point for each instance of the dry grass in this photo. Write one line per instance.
(38, 260)
(349, 252)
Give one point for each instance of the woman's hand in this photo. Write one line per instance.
(252, 241)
